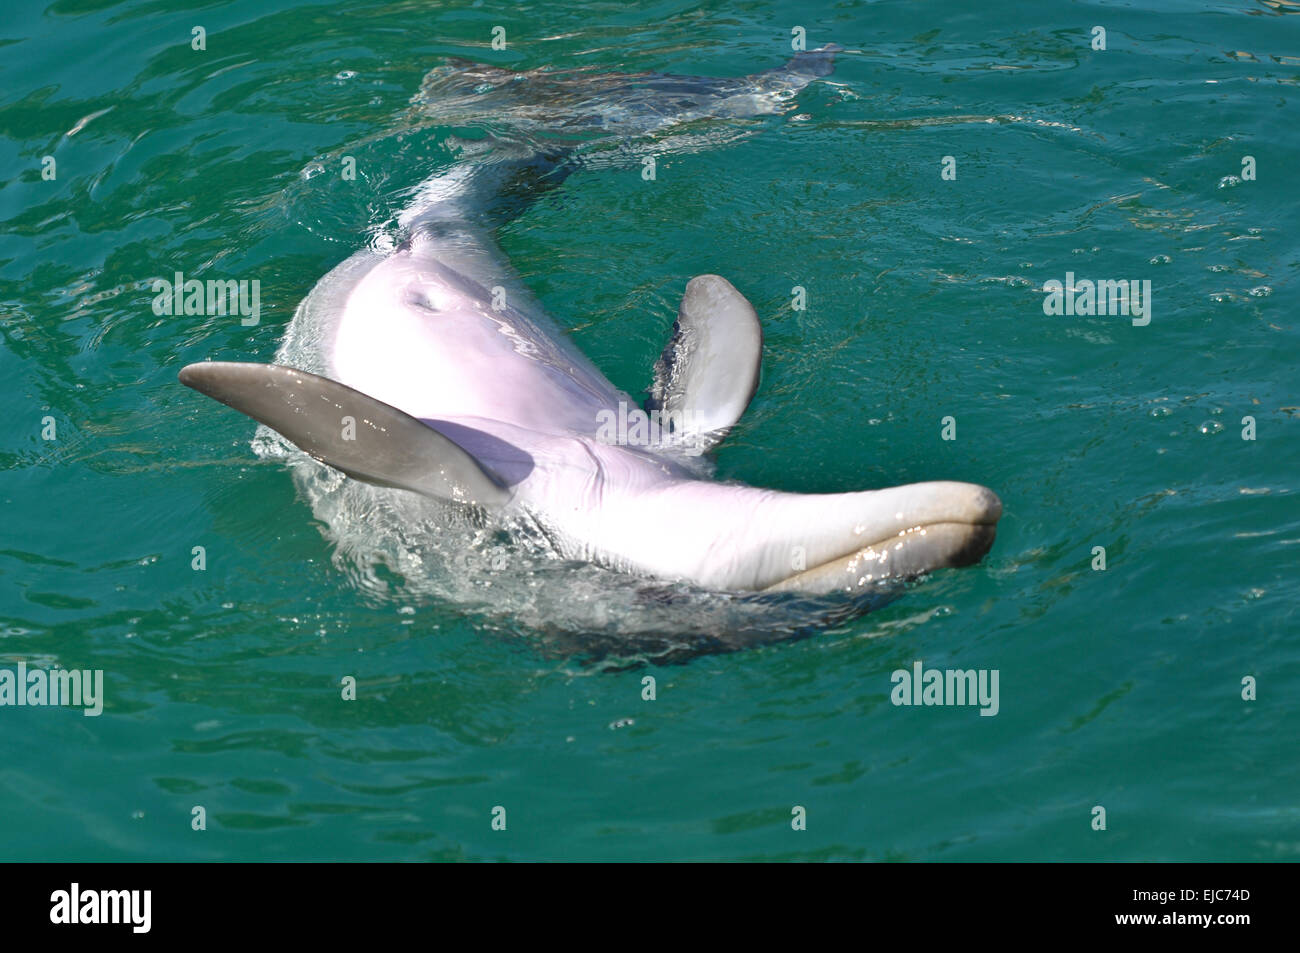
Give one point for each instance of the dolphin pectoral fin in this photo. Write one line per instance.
(709, 370)
(365, 438)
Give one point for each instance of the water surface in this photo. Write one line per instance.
(1119, 688)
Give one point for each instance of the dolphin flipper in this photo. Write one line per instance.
(388, 447)
(708, 373)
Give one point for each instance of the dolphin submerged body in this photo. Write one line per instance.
(467, 423)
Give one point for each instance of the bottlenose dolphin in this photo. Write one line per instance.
(429, 369)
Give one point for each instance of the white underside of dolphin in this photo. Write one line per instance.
(413, 370)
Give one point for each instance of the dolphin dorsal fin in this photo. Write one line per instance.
(709, 370)
(388, 447)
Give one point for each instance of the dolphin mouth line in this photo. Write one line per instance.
(922, 529)
(854, 563)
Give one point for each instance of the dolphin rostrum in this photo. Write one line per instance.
(431, 369)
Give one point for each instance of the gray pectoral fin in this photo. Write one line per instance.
(709, 371)
(365, 438)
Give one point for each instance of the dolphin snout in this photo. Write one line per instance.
(986, 511)
(949, 546)
(902, 533)
(955, 526)
(985, 507)
(974, 542)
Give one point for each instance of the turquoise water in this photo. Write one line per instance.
(1119, 688)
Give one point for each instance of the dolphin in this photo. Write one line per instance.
(428, 372)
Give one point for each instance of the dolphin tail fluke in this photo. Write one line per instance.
(351, 431)
(812, 63)
(709, 371)
(540, 125)
(576, 106)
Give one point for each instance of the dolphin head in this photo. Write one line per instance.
(666, 523)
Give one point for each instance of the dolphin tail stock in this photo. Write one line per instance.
(365, 438)
(493, 181)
